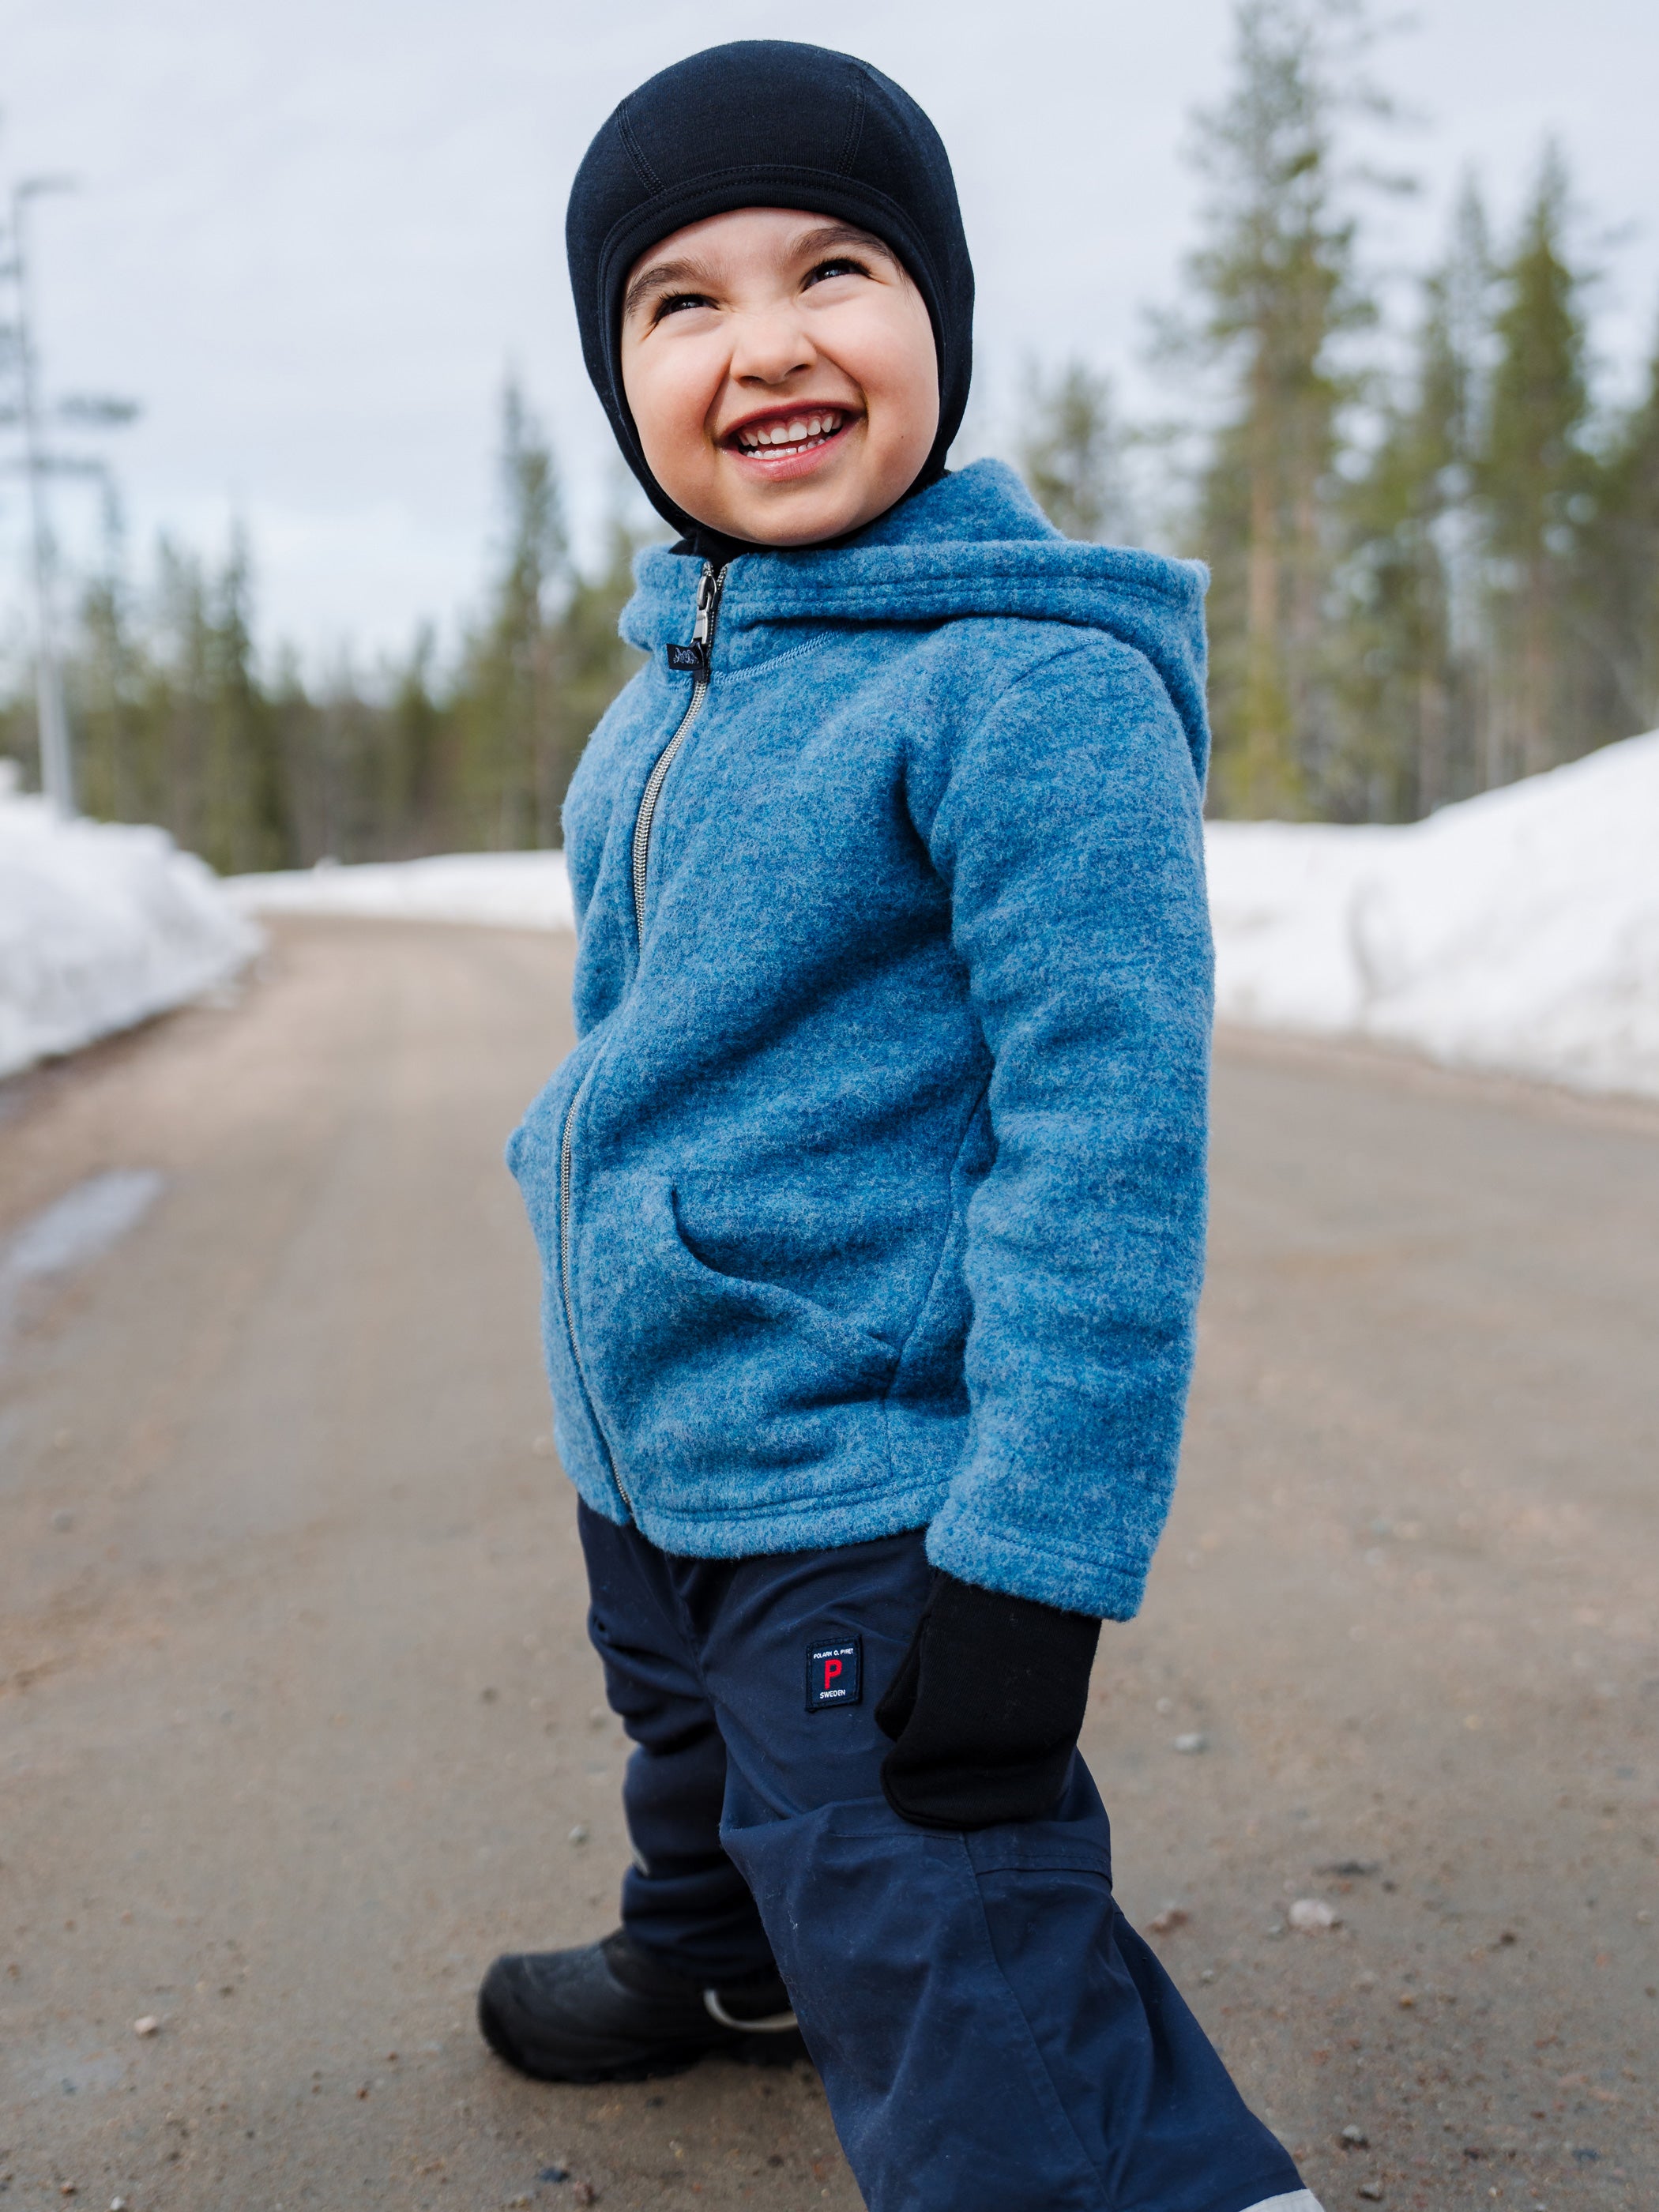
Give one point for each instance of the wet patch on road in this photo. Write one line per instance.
(69, 1234)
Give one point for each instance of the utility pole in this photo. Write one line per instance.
(57, 760)
(56, 752)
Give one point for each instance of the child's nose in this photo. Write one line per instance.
(771, 347)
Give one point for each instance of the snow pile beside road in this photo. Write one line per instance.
(1518, 931)
(101, 926)
(513, 890)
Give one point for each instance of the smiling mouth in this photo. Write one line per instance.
(785, 437)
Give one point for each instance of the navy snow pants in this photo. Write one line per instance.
(992, 2034)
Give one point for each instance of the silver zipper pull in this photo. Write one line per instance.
(693, 659)
(708, 593)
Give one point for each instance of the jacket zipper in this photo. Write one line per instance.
(709, 586)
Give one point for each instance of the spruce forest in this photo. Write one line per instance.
(1434, 540)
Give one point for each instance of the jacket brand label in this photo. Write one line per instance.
(688, 657)
(834, 1674)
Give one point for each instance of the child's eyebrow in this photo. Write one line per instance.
(839, 234)
(688, 273)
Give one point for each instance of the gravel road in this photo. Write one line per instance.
(298, 1723)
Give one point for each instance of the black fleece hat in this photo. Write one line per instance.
(767, 123)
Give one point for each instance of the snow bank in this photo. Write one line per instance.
(1518, 931)
(101, 926)
(513, 891)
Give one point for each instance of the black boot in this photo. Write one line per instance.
(611, 2012)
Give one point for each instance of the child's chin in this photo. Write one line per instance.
(796, 514)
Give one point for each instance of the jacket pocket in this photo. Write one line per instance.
(720, 1392)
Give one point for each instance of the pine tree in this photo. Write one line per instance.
(512, 762)
(1620, 555)
(176, 702)
(108, 768)
(593, 661)
(1536, 480)
(1070, 454)
(1279, 275)
(254, 829)
(416, 730)
(1408, 645)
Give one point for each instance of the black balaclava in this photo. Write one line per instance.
(767, 123)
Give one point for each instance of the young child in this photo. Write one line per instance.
(872, 1198)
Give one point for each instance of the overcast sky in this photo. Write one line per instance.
(312, 235)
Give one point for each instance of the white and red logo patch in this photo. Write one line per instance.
(834, 1674)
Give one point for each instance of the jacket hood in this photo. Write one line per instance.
(975, 543)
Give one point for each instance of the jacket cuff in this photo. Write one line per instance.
(1093, 1584)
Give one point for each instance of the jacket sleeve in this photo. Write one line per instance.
(1070, 833)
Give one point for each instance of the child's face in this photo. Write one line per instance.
(782, 372)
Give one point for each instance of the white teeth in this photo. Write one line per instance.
(800, 432)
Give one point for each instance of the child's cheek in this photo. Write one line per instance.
(672, 404)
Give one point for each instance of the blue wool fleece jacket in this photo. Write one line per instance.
(872, 1194)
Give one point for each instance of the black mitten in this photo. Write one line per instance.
(985, 1709)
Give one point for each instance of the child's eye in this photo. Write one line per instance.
(674, 303)
(842, 265)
